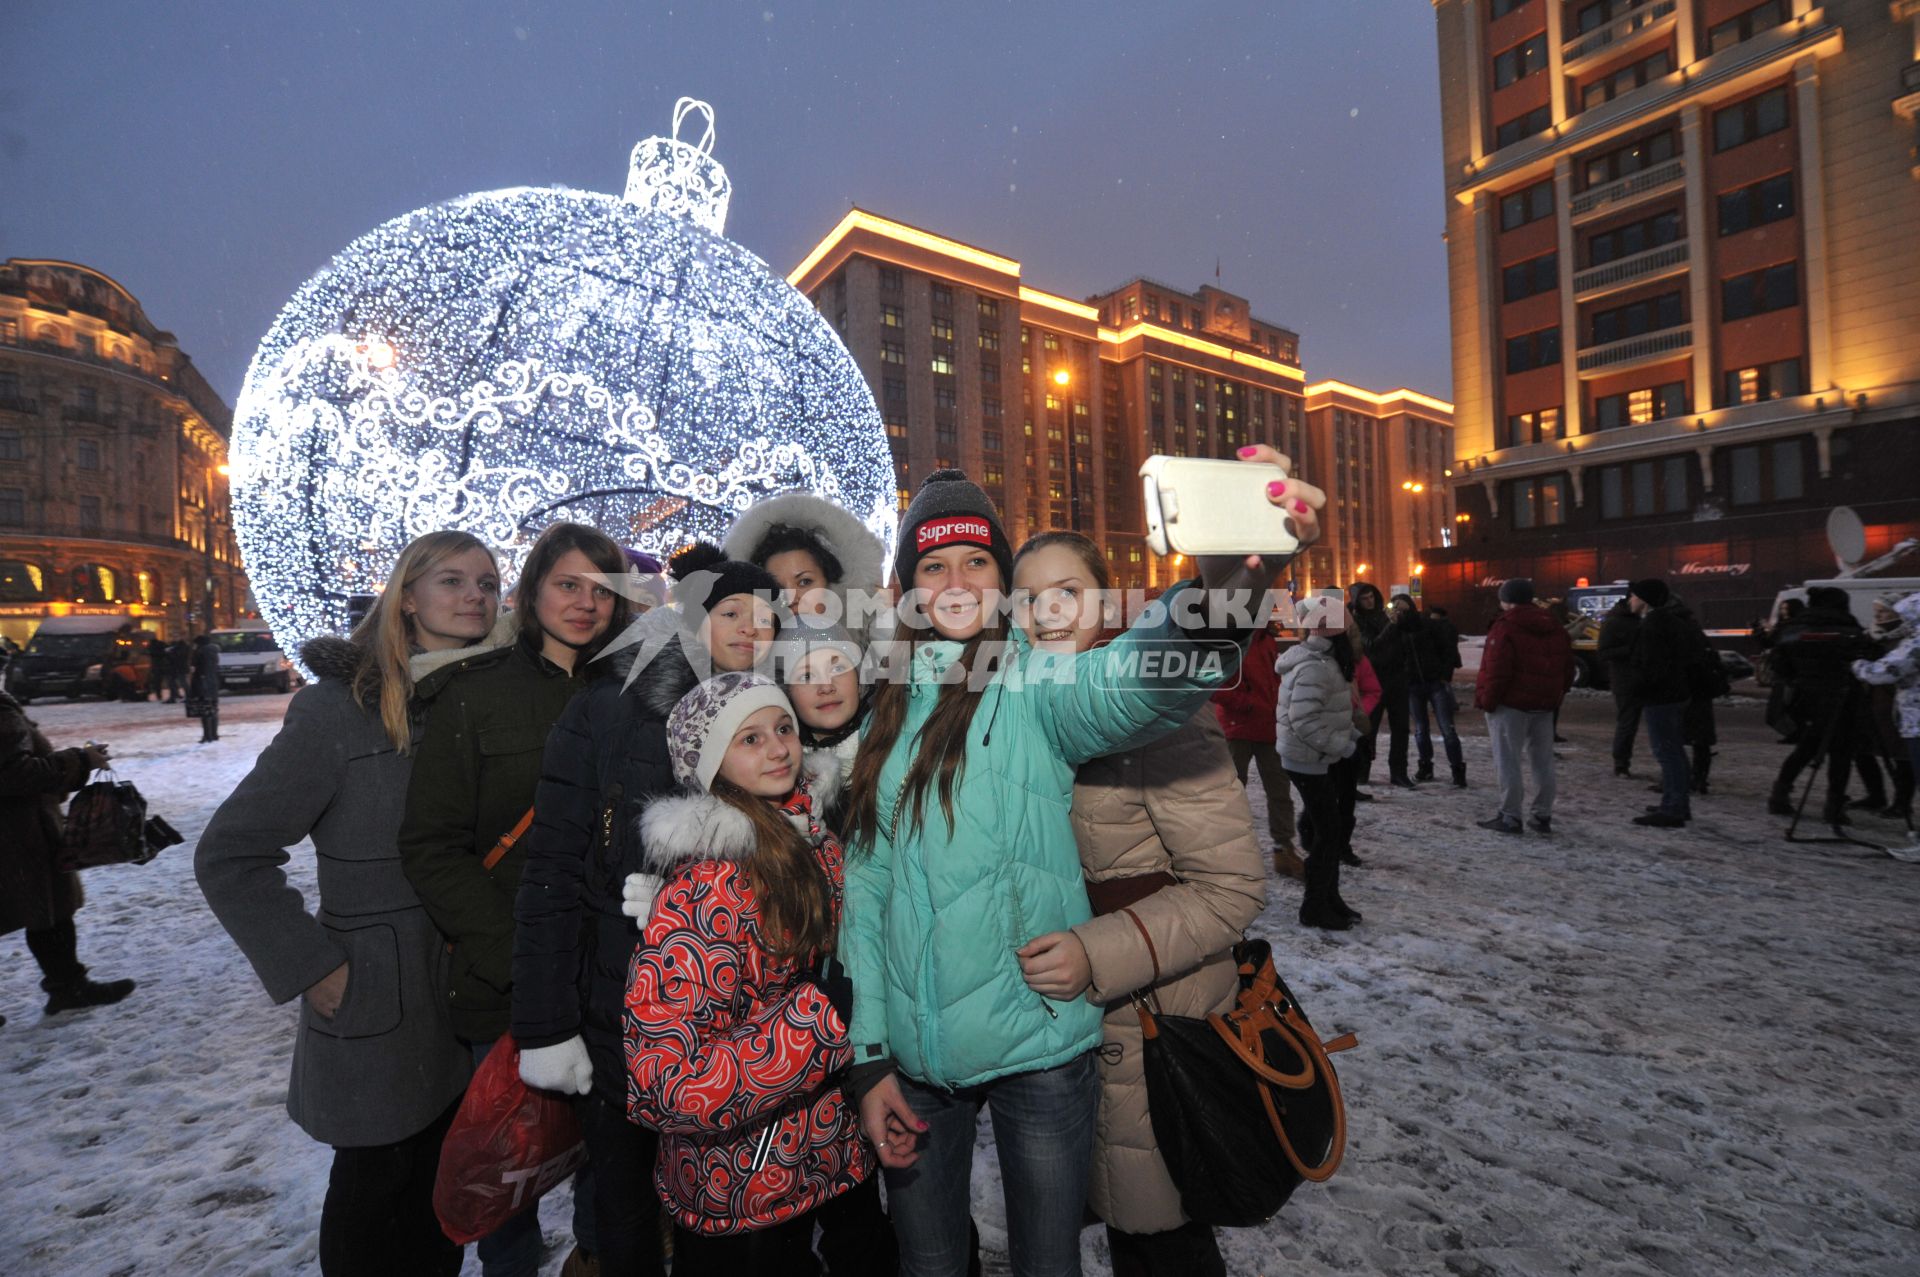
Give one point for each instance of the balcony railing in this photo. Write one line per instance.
(1630, 189)
(1633, 350)
(90, 417)
(11, 403)
(1667, 259)
(81, 529)
(1641, 18)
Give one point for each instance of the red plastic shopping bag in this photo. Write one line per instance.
(509, 1144)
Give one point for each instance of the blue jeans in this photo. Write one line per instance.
(1043, 1130)
(1666, 737)
(1440, 697)
(513, 1249)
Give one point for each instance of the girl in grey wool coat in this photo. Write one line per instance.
(377, 1069)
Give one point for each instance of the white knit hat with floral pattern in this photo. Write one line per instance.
(703, 723)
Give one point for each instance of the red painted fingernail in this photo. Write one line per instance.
(1277, 487)
(1247, 451)
(1299, 507)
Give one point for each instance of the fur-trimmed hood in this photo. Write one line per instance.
(862, 555)
(697, 826)
(331, 656)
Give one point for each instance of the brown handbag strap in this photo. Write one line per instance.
(505, 845)
(1151, 951)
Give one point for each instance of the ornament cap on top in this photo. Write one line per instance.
(667, 175)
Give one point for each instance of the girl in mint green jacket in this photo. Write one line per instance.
(963, 879)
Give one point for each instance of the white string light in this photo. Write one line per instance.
(510, 359)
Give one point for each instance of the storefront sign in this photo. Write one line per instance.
(1694, 568)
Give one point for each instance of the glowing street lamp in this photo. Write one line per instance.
(1062, 377)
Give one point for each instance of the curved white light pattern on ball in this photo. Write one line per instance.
(510, 359)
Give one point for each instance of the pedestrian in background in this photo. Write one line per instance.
(1525, 672)
(1899, 669)
(1615, 654)
(36, 895)
(1669, 656)
(1384, 644)
(1318, 731)
(204, 686)
(179, 663)
(1434, 652)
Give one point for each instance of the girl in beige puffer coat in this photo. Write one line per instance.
(1175, 876)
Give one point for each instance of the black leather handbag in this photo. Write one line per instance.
(1245, 1106)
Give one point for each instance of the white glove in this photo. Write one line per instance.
(563, 1067)
(637, 896)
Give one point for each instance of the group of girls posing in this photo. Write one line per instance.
(752, 1013)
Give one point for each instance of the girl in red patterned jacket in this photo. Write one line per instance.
(736, 1015)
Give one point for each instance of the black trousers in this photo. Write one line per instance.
(1626, 723)
(1325, 830)
(57, 951)
(378, 1215)
(210, 720)
(857, 1241)
(1394, 708)
(626, 1207)
(1187, 1251)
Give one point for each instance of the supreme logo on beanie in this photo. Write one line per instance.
(950, 509)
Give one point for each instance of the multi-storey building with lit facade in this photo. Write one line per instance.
(1052, 404)
(113, 497)
(1385, 462)
(1684, 248)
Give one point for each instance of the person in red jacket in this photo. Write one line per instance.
(737, 1012)
(1246, 710)
(1525, 672)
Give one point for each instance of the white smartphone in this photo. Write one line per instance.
(1195, 505)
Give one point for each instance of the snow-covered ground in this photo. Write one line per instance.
(1612, 1051)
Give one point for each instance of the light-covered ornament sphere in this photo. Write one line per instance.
(507, 360)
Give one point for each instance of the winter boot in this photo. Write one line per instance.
(1501, 825)
(1778, 804)
(1288, 864)
(1460, 777)
(1423, 772)
(1326, 913)
(80, 993)
(1353, 914)
(1541, 824)
(1348, 858)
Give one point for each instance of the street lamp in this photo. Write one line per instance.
(1061, 377)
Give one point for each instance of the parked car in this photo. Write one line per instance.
(74, 656)
(251, 657)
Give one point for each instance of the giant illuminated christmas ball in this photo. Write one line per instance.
(507, 360)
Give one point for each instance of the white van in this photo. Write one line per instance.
(250, 657)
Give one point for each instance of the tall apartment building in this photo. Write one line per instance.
(1684, 248)
(1385, 462)
(1054, 403)
(113, 447)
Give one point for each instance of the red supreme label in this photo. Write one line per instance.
(935, 533)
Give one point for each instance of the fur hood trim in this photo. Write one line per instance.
(690, 827)
(331, 656)
(861, 554)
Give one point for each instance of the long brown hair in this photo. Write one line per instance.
(601, 551)
(790, 888)
(382, 680)
(939, 747)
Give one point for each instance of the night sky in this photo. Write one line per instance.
(212, 156)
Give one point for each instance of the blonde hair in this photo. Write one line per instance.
(382, 680)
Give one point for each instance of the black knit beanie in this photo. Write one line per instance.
(703, 575)
(950, 509)
(1652, 591)
(1516, 589)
